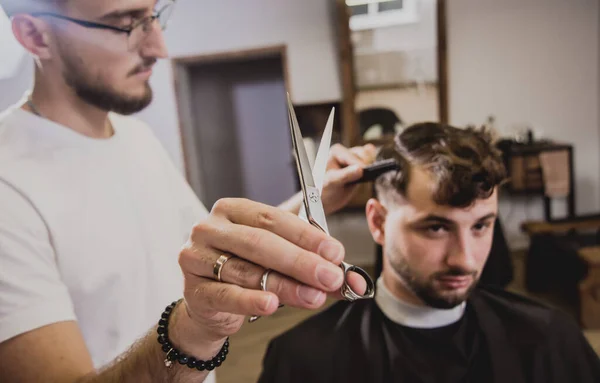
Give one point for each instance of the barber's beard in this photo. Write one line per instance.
(95, 92)
(425, 288)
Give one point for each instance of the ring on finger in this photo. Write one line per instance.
(218, 266)
(263, 287)
(263, 280)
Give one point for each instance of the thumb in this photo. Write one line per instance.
(347, 174)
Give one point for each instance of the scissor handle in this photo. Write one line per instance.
(347, 292)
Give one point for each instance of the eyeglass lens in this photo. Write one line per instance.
(140, 32)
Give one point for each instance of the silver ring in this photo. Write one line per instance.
(219, 266)
(263, 280)
(263, 287)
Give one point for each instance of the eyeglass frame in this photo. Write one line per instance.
(91, 24)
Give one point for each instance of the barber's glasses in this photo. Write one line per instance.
(136, 33)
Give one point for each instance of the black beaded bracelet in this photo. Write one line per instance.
(174, 354)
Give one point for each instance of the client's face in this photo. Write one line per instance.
(435, 253)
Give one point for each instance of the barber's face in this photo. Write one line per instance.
(106, 68)
(435, 253)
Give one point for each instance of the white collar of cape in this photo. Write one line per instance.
(409, 315)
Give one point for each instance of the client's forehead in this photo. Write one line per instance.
(419, 201)
(420, 188)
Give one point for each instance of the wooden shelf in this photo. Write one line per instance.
(563, 226)
(525, 174)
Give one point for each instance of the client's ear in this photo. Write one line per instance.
(376, 214)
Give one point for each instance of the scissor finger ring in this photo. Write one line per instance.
(347, 292)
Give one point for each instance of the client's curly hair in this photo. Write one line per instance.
(465, 163)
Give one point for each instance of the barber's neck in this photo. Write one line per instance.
(58, 102)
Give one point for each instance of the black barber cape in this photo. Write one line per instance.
(500, 337)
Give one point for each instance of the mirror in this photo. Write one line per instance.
(393, 66)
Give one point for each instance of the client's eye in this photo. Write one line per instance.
(436, 230)
(482, 226)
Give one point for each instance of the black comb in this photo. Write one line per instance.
(371, 172)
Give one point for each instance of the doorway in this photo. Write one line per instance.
(234, 125)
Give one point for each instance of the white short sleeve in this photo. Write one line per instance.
(32, 293)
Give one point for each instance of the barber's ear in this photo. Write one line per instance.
(376, 214)
(32, 33)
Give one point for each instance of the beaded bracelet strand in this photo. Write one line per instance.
(174, 354)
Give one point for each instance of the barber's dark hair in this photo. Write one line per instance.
(464, 162)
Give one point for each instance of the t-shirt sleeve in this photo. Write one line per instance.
(32, 293)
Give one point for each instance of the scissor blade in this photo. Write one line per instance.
(323, 153)
(312, 209)
(304, 170)
(317, 213)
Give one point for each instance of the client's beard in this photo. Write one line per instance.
(425, 290)
(99, 95)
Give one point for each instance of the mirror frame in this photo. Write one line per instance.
(350, 131)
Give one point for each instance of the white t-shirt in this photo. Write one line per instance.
(90, 230)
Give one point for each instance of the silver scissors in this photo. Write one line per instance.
(311, 211)
(311, 182)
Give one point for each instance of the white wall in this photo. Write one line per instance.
(211, 26)
(13, 88)
(530, 62)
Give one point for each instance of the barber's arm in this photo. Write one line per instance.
(305, 264)
(344, 166)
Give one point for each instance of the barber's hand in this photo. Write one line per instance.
(305, 263)
(344, 165)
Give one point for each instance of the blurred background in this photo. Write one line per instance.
(529, 69)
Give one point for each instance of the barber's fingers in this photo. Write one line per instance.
(366, 153)
(281, 223)
(273, 239)
(268, 250)
(356, 282)
(207, 297)
(340, 156)
(344, 175)
(248, 275)
(289, 291)
(292, 293)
